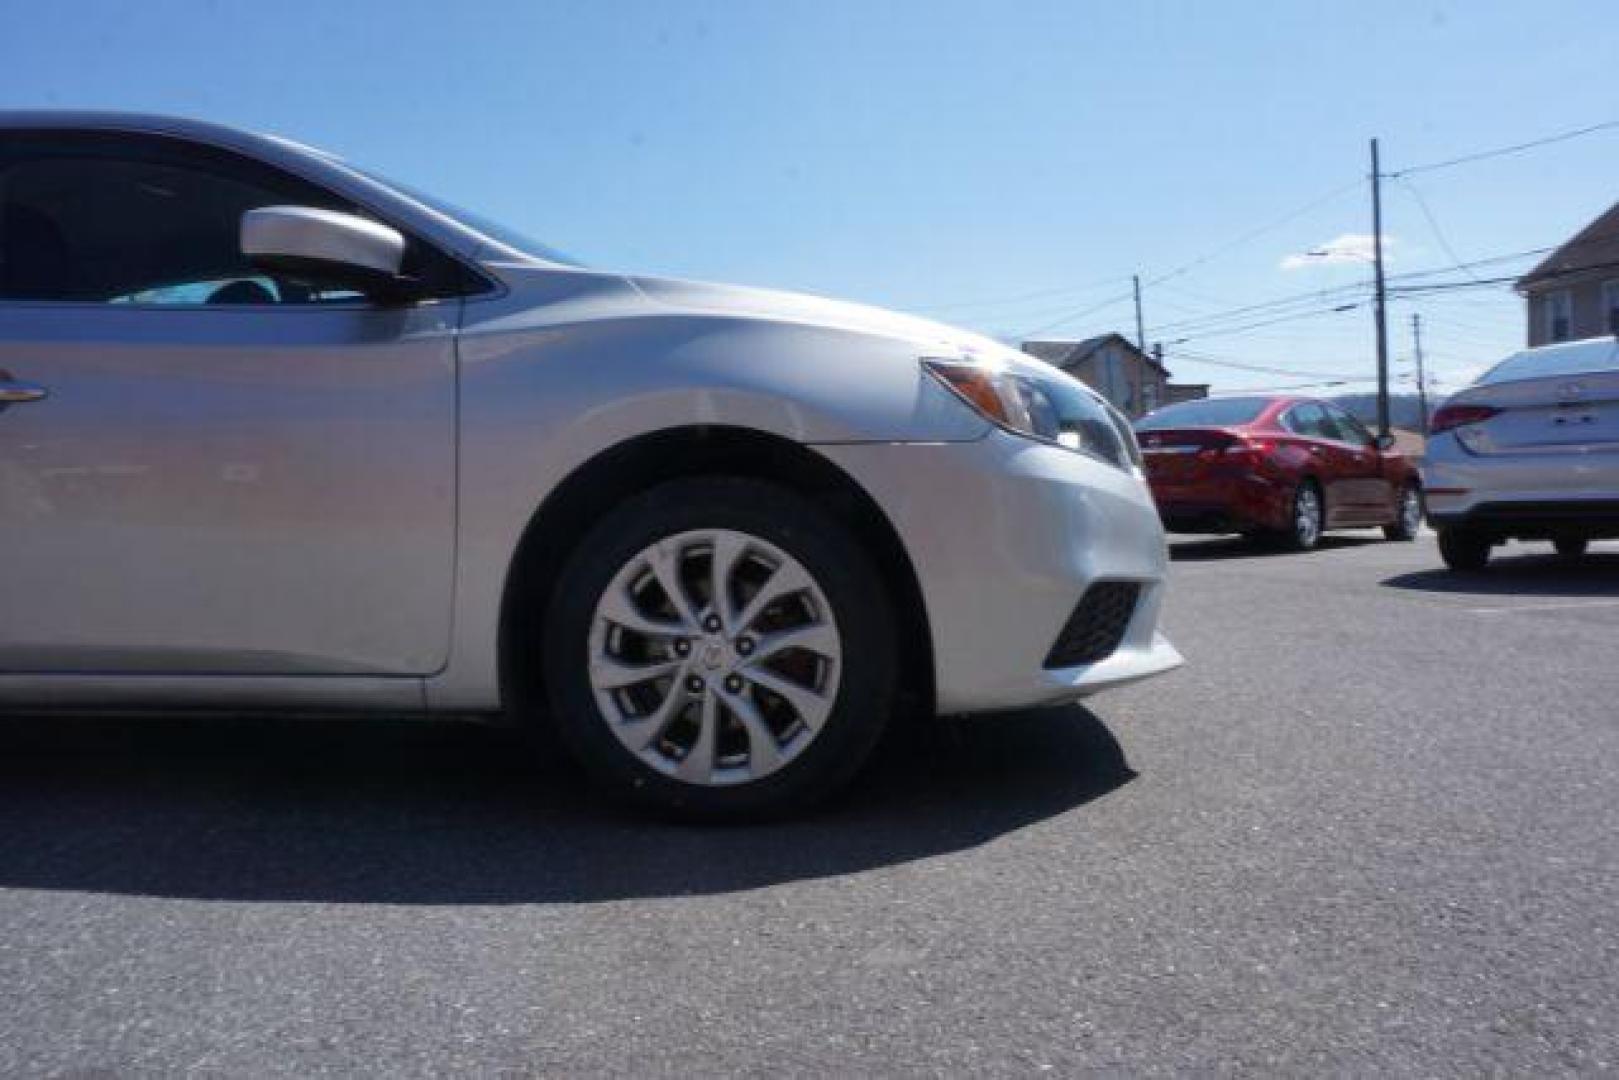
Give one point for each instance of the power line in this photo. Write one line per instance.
(1065, 290)
(1219, 319)
(1263, 369)
(1293, 386)
(1253, 234)
(1324, 295)
(1445, 286)
(1439, 234)
(1121, 298)
(1501, 151)
(1319, 296)
(1193, 264)
(1291, 317)
(1400, 174)
(1471, 264)
(1195, 294)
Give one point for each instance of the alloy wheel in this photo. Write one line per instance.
(1307, 516)
(1411, 511)
(714, 657)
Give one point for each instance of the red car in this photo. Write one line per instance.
(1282, 467)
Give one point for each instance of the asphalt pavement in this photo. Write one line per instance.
(1373, 826)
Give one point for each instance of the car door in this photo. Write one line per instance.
(1368, 494)
(1325, 457)
(204, 470)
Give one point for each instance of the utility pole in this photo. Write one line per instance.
(1422, 380)
(1141, 329)
(1381, 299)
(1158, 358)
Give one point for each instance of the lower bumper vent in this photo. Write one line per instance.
(1097, 626)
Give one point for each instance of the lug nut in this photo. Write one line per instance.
(712, 624)
(733, 683)
(694, 685)
(682, 647)
(744, 646)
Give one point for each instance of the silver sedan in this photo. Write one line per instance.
(278, 434)
(1528, 452)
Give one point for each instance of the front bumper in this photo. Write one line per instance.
(1006, 536)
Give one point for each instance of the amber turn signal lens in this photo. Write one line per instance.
(976, 385)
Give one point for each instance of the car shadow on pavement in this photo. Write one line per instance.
(1238, 547)
(1531, 574)
(414, 813)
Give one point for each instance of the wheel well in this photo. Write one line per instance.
(644, 462)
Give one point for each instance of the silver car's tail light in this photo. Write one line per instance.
(1455, 416)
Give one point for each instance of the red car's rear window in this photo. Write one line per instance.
(1209, 412)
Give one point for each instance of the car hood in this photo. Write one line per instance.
(737, 300)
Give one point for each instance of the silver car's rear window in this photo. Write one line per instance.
(1549, 361)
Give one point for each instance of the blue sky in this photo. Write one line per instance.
(944, 157)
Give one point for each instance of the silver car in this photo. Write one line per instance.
(1528, 452)
(278, 434)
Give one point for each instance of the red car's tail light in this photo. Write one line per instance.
(1242, 451)
(1452, 416)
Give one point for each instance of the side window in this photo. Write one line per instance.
(1350, 430)
(1331, 429)
(1557, 310)
(146, 220)
(1308, 419)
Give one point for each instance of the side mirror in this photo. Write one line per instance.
(1386, 442)
(327, 245)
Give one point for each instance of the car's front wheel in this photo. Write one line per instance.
(1409, 522)
(720, 648)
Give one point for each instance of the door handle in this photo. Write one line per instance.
(15, 393)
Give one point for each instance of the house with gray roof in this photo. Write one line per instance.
(1574, 292)
(1134, 381)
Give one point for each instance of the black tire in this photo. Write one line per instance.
(1464, 549)
(840, 567)
(1297, 537)
(1571, 547)
(1403, 529)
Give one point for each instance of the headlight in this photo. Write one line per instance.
(1052, 408)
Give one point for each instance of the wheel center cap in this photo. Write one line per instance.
(712, 655)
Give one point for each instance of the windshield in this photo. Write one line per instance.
(494, 230)
(1210, 412)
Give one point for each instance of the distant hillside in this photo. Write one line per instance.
(1404, 409)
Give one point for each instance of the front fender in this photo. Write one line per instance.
(545, 390)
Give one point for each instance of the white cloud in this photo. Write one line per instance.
(1348, 248)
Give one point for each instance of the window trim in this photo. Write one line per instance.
(1549, 302)
(187, 146)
